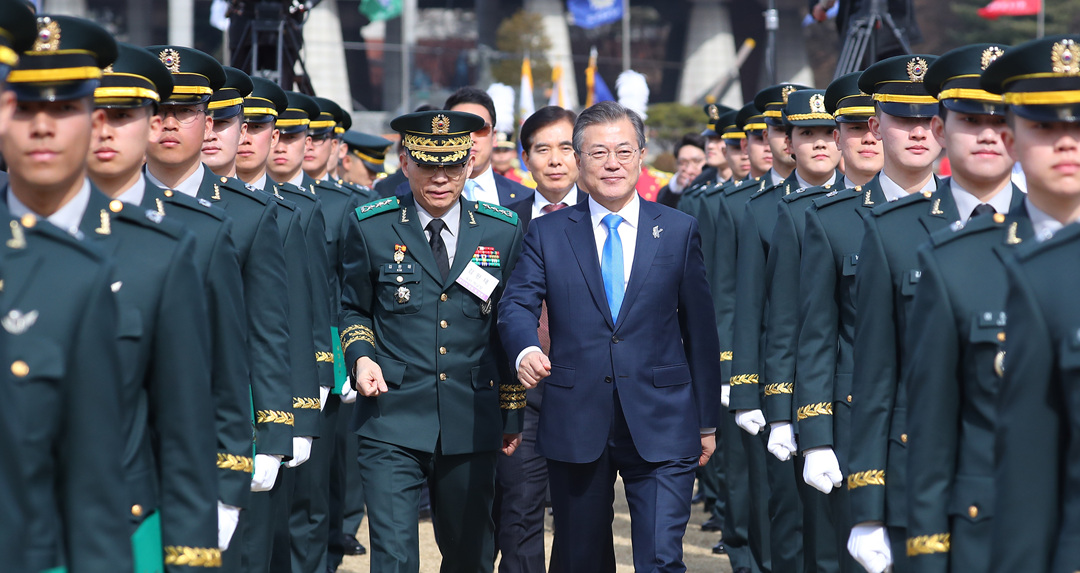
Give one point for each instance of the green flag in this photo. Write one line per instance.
(377, 10)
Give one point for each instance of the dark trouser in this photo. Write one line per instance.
(346, 487)
(257, 523)
(759, 533)
(462, 489)
(737, 505)
(711, 479)
(898, 542)
(785, 515)
(582, 496)
(820, 549)
(521, 483)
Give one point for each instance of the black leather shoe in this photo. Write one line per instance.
(719, 548)
(711, 524)
(352, 546)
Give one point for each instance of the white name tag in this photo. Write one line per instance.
(477, 281)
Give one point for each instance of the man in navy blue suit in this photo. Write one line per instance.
(632, 385)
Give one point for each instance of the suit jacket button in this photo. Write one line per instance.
(442, 350)
(136, 510)
(973, 512)
(443, 297)
(1001, 337)
(607, 379)
(615, 339)
(903, 438)
(442, 376)
(20, 368)
(442, 324)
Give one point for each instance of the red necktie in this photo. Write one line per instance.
(551, 207)
(542, 331)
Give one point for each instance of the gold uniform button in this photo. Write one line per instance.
(903, 438)
(116, 206)
(1001, 337)
(400, 279)
(168, 192)
(443, 324)
(442, 350)
(973, 512)
(224, 179)
(443, 297)
(20, 368)
(927, 194)
(491, 383)
(999, 218)
(136, 510)
(28, 221)
(849, 398)
(442, 376)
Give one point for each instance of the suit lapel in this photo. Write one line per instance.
(209, 189)
(644, 253)
(408, 229)
(1018, 228)
(942, 211)
(583, 243)
(97, 222)
(469, 235)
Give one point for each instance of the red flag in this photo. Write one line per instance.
(1010, 8)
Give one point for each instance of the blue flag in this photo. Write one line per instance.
(594, 13)
(600, 90)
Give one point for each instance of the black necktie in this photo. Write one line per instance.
(438, 247)
(982, 209)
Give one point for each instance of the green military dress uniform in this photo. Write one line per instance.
(64, 360)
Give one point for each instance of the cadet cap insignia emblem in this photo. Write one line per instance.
(171, 59)
(1065, 58)
(15, 322)
(817, 103)
(48, 36)
(916, 69)
(786, 91)
(989, 55)
(440, 125)
(714, 112)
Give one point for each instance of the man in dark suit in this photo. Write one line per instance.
(632, 385)
(521, 480)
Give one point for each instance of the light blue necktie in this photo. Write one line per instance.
(470, 190)
(611, 265)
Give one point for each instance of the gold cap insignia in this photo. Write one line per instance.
(714, 112)
(786, 91)
(440, 125)
(817, 103)
(171, 59)
(48, 36)
(1065, 57)
(989, 55)
(108, 69)
(916, 69)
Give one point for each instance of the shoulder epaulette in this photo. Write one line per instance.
(1068, 235)
(283, 202)
(764, 191)
(837, 196)
(910, 199)
(974, 225)
(497, 212)
(751, 183)
(42, 228)
(805, 193)
(376, 207)
(149, 218)
(295, 191)
(195, 204)
(244, 189)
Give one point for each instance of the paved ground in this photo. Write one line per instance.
(697, 545)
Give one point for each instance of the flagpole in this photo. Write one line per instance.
(408, 39)
(625, 35)
(1040, 27)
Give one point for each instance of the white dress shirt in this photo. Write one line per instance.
(452, 220)
(67, 217)
(774, 177)
(539, 201)
(627, 231)
(894, 191)
(804, 184)
(1043, 224)
(260, 183)
(134, 194)
(485, 189)
(189, 186)
(966, 202)
(298, 180)
(849, 184)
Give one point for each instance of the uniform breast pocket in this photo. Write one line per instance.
(37, 371)
(986, 334)
(472, 306)
(399, 289)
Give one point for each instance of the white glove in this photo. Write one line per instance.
(301, 451)
(753, 421)
(266, 472)
(725, 394)
(348, 393)
(821, 470)
(869, 545)
(227, 517)
(324, 391)
(781, 440)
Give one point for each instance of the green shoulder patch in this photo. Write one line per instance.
(376, 207)
(498, 212)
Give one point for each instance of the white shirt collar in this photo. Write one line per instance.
(451, 218)
(775, 177)
(189, 186)
(630, 213)
(1043, 224)
(894, 191)
(260, 183)
(966, 202)
(67, 217)
(539, 201)
(803, 184)
(298, 180)
(848, 183)
(134, 194)
(488, 191)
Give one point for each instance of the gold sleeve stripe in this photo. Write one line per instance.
(725, 356)
(193, 556)
(356, 333)
(511, 396)
(780, 388)
(237, 463)
(811, 410)
(741, 379)
(324, 357)
(275, 417)
(869, 477)
(301, 403)
(928, 544)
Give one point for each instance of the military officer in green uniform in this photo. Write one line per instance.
(423, 275)
(62, 368)
(885, 280)
(363, 158)
(1035, 495)
(130, 93)
(168, 461)
(951, 343)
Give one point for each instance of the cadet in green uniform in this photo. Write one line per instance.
(363, 157)
(825, 314)
(168, 455)
(751, 313)
(1035, 495)
(885, 280)
(59, 319)
(130, 93)
(438, 398)
(811, 140)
